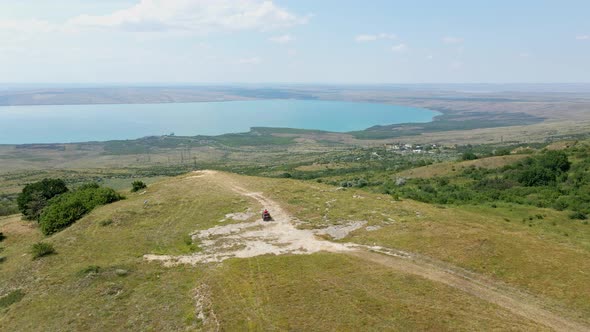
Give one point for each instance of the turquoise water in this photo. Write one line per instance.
(80, 123)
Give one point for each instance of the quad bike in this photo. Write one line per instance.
(266, 216)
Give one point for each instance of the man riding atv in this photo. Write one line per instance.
(266, 215)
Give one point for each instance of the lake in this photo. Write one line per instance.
(80, 123)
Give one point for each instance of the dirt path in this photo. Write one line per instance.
(512, 300)
(282, 237)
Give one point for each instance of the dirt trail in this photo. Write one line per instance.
(250, 239)
(516, 302)
(282, 237)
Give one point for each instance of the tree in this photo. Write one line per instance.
(34, 196)
(544, 169)
(536, 176)
(555, 160)
(66, 209)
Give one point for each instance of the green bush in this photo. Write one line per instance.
(67, 208)
(2, 236)
(502, 152)
(11, 298)
(468, 156)
(188, 240)
(106, 222)
(41, 249)
(137, 185)
(555, 161)
(536, 176)
(578, 216)
(8, 207)
(89, 269)
(34, 196)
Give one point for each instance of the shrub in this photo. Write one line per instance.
(89, 269)
(66, 209)
(137, 185)
(188, 240)
(496, 183)
(11, 298)
(7, 208)
(105, 222)
(555, 160)
(34, 196)
(502, 152)
(578, 216)
(560, 204)
(41, 249)
(536, 176)
(2, 236)
(468, 156)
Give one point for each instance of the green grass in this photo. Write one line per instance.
(342, 293)
(539, 258)
(11, 298)
(42, 249)
(319, 291)
(105, 300)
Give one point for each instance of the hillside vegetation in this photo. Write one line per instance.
(98, 279)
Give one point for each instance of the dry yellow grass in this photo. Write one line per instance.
(322, 291)
(448, 168)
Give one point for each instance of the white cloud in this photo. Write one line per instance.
(583, 37)
(399, 48)
(284, 39)
(249, 61)
(194, 16)
(27, 25)
(369, 37)
(452, 40)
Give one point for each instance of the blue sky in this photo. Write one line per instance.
(301, 41)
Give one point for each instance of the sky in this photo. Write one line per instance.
(294, 41)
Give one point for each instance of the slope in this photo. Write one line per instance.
(100, 278)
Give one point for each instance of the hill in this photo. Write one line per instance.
(188, 254)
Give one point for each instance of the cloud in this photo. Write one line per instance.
(27, 25)
(452, 40)
(284, 39)
(193, 16)
(583, 37)
(399, 48)
(249, 61)
(370, 38)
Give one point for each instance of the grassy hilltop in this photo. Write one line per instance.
(98, 278)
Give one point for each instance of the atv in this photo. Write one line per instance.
(266, 216)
